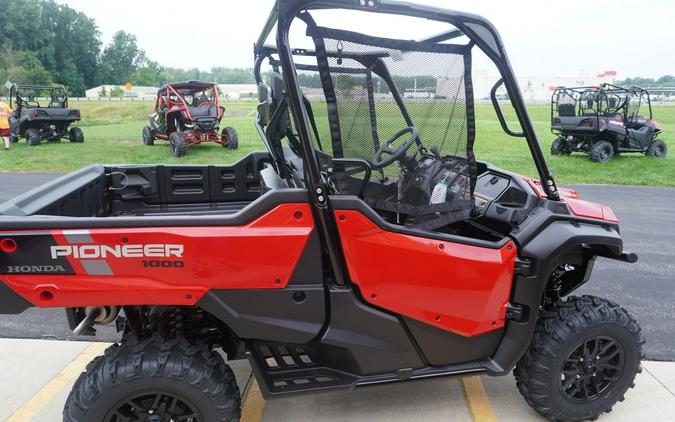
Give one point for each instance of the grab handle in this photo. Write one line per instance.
(498, 110)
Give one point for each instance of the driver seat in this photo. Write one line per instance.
(199, 101)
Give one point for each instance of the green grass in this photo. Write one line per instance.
(626, 169)
(113, 135)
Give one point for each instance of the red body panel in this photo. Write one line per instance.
(260, 255)
(578, 207)
(459, 288)
(587, 209)
(539, 191)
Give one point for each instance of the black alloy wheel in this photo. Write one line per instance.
(591, 369)
(155, 406)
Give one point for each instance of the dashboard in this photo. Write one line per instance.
(489, 186)
(502, 198)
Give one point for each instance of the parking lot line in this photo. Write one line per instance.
(36, 403)
(477, 399)
(253, 403)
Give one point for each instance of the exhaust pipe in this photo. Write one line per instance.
(101, 315)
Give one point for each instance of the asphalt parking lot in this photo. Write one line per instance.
(646, 288)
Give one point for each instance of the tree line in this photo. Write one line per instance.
(666, 81)
(43, 42)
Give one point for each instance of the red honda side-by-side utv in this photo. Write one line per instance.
(186, 114)
(367, 245)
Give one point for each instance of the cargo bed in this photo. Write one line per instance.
(112, 191)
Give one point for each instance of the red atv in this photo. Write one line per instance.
(188, 113)
(366, 246)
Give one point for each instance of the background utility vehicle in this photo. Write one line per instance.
(366, 246)
(604, 121)
(42, 112)
(188, 113)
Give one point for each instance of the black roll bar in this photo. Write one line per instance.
(477, 29)
(498, 110)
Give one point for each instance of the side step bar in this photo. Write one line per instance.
(289, 369)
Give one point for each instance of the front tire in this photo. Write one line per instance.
(178, 146)
(165, 378)
(33, 137)
(657, 149)
(584, 356)
(230, 138)
(560, 147)
(76, 135)
(148, 137)
(602, 152)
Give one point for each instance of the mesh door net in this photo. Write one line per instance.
(374, 88)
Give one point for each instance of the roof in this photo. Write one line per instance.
(188, 85)
(17, 87)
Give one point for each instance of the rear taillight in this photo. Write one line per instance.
(590, 123)
(34, 113)
(75, 113)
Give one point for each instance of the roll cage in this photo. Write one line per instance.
(480, 33)
(27, 96)
(171, 97)
(606, 100)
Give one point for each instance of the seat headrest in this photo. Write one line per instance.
(566, 110)
(277, 87)
(263, 104)
(263, 92)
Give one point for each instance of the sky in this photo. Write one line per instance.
(541, 37)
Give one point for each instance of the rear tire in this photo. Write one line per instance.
(33, 137)
(230, 138)
(142, 378)
(75, 135)
(657, 149)
(560, 147)
(178, 146)
(602, 152)
(584, 356)
(148, 136)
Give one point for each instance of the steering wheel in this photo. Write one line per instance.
(398, 153)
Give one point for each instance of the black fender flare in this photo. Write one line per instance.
(543, 253)
(557, 238)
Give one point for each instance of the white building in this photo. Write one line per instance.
(136, 92)
(538, 87)
(237, 91)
